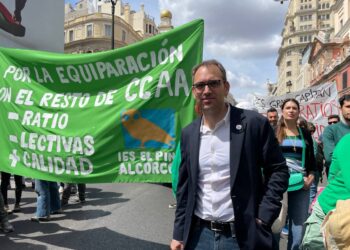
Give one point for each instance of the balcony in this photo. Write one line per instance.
(305, 11)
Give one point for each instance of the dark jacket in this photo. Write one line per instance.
(310, 163)
(254, 152)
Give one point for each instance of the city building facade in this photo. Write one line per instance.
(88, 26)
(329, 59)
(303, 21)
(341, 21)
(330, 62)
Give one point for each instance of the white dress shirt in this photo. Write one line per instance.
(213, 201)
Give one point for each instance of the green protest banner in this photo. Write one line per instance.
(113, 116)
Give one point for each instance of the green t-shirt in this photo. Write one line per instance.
(338, 187)
(331, 136)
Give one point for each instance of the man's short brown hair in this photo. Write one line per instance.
(208, 63)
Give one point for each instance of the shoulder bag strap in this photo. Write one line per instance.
(304, 148)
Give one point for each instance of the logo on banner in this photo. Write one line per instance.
(148, 128)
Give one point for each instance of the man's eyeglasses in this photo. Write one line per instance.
(334, 122)
(212, 84)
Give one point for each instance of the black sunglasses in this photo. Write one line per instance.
(330, 123)
(212, 84)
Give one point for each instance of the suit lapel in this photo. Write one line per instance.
(237, 132)
(194, 152)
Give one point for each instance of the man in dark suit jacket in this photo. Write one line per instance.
(232, 174)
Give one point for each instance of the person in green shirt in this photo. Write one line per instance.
(338, 188)
(333, 133)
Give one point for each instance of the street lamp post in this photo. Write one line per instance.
(289, 85)
(113, 2)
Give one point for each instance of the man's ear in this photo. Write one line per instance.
(227, 87)
(193, 92)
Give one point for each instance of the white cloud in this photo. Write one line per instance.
(242, 34)
(245, 49)
(239, 80)
(233, 20)
(242, 87)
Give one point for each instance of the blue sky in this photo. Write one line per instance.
(242, 34)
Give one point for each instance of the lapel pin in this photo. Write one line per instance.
(238, 126)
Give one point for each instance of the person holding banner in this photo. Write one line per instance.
(5, 182)
(333, 133)
(5, 225)
(222, 200)
(297, 147)
(68, 190)
(48, 200)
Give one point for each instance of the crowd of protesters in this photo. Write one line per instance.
(49, 200)
(308, 159)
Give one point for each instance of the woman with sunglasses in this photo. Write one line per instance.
(297, 147)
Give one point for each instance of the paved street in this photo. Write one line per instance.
(115, 216)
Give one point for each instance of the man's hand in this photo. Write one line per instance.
(260, 222)
(176, 245)
(308, 181)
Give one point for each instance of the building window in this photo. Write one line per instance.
(289, 73)
(108, 30)
(150, 28)
(324, 17)
(289, 63)
(146, 28)
(89, 30)
(300, 61)
(289, 52)
(99, 8)
(304, 39)
(345, 80)
(71, 36)
(305, 18)
(123, 35)
(290, 41)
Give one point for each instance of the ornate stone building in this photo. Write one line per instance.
(88, 27)
(327, 58)
(304, 19)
